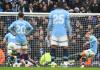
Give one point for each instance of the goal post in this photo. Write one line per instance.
(46, 14)
(80, 23)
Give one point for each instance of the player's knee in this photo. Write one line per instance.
(83, 54)
(92, 55)
(9, 52)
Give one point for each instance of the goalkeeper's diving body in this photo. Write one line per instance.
(91, 52)
(21, 28)
(59, 32)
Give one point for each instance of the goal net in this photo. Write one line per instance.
(80, 23)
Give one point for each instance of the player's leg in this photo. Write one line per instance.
(24, 53)
(41, 50)
(65, 55)
(10, 47)
(85, 55)
(53, 43)
(20, 56)
(34, 62)
(18, 52)
(53, 52)
(64, 44)
(88, 53)
(29, 64)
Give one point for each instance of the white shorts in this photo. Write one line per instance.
(10, 47)
(60, 41)
(21, 47)
(89, 53)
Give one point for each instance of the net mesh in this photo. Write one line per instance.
(80, 23)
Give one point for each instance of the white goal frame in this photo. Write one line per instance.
(46, 14)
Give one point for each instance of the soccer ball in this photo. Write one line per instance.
(29, 64)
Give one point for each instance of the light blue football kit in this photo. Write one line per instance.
(59, 27)
(20, 28)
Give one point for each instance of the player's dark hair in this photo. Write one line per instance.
(89, 30)
(60, 4)
(20, 14)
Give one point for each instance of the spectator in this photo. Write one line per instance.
(94, 7)
(1, 10)
(48, 5)
(77, 3)
(82, 10)
(1, 28)
(41, 40)
(45, 8)
(66, 7)
(76, 10)
(40, 8)
(33, 22)
(14, 7)
(1, 7)
(30, 8)
(8, 8)
(92, 20)
(23, 6)
(89, 27)
(54, 6)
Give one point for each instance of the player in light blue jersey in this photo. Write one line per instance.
(21, 28)
(59, 31)
(91, 52)
(10, 41)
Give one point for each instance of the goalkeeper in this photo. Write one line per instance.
(91, 52)
(45, 59)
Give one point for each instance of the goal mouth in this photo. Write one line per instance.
(80, 23)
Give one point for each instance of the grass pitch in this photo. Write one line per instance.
(49, 68)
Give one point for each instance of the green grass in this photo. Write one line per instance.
(48, 68)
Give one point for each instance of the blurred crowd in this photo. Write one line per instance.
(76, 6)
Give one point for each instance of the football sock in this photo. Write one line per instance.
(41, 51)
(65, 54)
(83, 60)
(18, 57)
(53, 54)
(78, 57)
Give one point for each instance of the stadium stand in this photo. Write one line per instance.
(81, 6)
